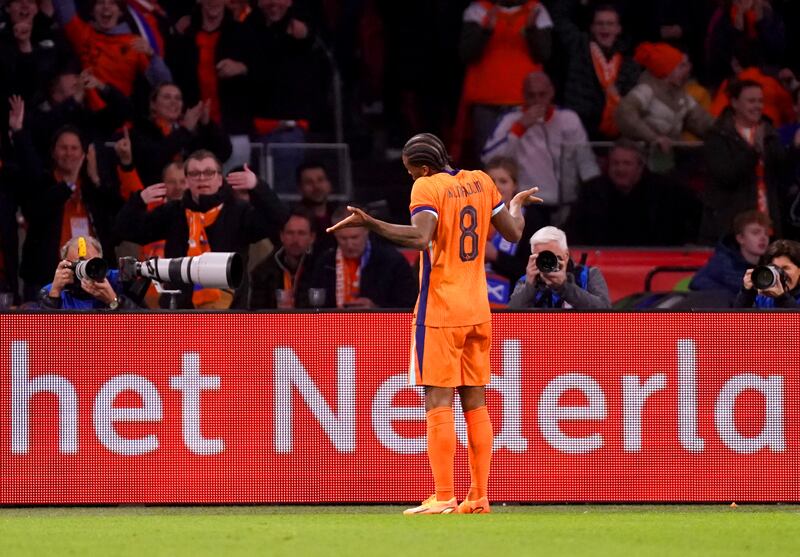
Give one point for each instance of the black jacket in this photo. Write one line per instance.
(238, 225)
(656, 212)
(43, 200)
(288, 79)
(267, 277)
(234, 93)
(387, 278)
(152, 150)
(582, 90)
(732, 166)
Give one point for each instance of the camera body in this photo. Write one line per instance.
(93, 269)
(547, 262)
(767, 276)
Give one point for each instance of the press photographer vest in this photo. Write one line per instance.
(766, 302)
(549, 299)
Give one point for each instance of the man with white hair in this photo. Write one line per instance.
(552, 280)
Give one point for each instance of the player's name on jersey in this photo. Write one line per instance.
(465, 191)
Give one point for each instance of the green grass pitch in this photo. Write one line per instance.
(652, 530)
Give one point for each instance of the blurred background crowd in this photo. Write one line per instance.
(177, 127)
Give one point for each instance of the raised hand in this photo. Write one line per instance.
(526, 197)
(192, 116)
(154, 193)
(243, 180)
(91, 165)
(16, 115)
(123, 149)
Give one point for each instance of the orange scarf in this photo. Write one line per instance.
(348, 276)
(762, 203)
(198, 244)
(607, 72)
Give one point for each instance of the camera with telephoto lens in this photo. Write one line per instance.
(547, 262)
(94, 269)
(767, 276)
(208, 270)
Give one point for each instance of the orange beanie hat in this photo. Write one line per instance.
(659, 58)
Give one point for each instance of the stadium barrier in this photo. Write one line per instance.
(314, 407)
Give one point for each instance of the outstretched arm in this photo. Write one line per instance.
(417, 235)
(510, 222)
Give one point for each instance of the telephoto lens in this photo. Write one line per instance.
(767, 276)
(94, 269)
(547, 262)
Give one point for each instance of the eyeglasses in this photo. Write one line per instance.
(207, 173)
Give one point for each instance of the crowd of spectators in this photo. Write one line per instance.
(133, 121)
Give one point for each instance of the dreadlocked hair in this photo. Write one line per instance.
(425, 149)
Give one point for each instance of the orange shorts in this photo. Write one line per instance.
(450, 356)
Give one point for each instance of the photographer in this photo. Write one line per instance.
(776, 282)
(552, 280)
(65, 292)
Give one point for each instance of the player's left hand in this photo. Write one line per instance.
(526, 197)
(357, 218)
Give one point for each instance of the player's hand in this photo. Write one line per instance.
(526, 197)
(243, 180)
(100, 290)
(357, 218)
(154, 193)
(62, 278)
(747, 280)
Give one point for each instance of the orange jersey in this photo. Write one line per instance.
(452, 274)
(111, 58)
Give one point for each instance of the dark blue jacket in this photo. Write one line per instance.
(68, 300)
(725, 269)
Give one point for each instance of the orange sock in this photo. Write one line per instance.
(481, 439)
(442, 450)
